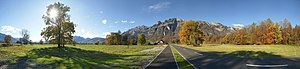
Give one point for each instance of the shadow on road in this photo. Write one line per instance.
(238, 59)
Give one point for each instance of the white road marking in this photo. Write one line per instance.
(155, 57)
(198, 53)
(185, 58)
(253, 65)
(175, 58)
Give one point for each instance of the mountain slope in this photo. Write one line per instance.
(168, 29)
(80, 39)
(2, 36)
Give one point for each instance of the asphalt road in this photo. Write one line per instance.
(165, 60)
(211, 60)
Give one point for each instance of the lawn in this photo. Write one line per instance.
(183, 64)
(251, 51)
(79, 57)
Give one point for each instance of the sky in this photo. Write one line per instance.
(96, 18)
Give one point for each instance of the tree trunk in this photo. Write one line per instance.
(58, 40)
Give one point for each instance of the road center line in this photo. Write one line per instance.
(253, 65)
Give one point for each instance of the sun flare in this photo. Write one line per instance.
(53, 13)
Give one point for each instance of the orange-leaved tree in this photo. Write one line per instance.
(191, 33)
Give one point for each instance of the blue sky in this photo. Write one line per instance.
(95, 18)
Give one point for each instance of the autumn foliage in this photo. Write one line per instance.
(266, 33)
(190, 33)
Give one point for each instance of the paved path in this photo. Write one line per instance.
(165, 60)
(206, 60)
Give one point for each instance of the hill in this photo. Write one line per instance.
(80, 39)
(168, 29)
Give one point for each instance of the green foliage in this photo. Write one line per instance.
(59, 28)
(113, 39)
(30, 42)
(176, 41)
(97, 42)
(141, 39)
(41, 41)
(18, 42)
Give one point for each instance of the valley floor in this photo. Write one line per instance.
(78, 57)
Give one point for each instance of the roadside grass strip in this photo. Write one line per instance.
(181, 61)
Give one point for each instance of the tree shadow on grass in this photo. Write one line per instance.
(68, 57)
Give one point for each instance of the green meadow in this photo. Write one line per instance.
(79, 56)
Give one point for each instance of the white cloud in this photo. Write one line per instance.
(9, 30)
(159, 6)
(132, 22)
(124, 21)
(104, 21)
(238, 25)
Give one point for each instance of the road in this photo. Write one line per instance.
(211, 60)
(165, 60)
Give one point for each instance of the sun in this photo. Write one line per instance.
(53, 13)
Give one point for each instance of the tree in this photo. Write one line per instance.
(19, 42)
(41, 41)
(286, 32)
(132, 40)
(25, 36)
(226, 39)
(296, 37)
(141, 39)
(175, 40)
(114, 38)
(30, 42)
(7, 39)
(270, 32)
(125, 39)
(97, 42)
(59, 25)
(278, 34)
(191, 33)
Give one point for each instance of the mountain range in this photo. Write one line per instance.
(78, 39)
(168, 29)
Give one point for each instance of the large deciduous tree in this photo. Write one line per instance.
(191, 33)
(59, 25)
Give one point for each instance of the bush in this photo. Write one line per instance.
(97, 42)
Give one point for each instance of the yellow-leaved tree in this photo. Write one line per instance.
(191, 33)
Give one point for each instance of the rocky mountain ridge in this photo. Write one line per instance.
(168, 29)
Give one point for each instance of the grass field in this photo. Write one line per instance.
(251, 51)
(180, 60)
(80, 56)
